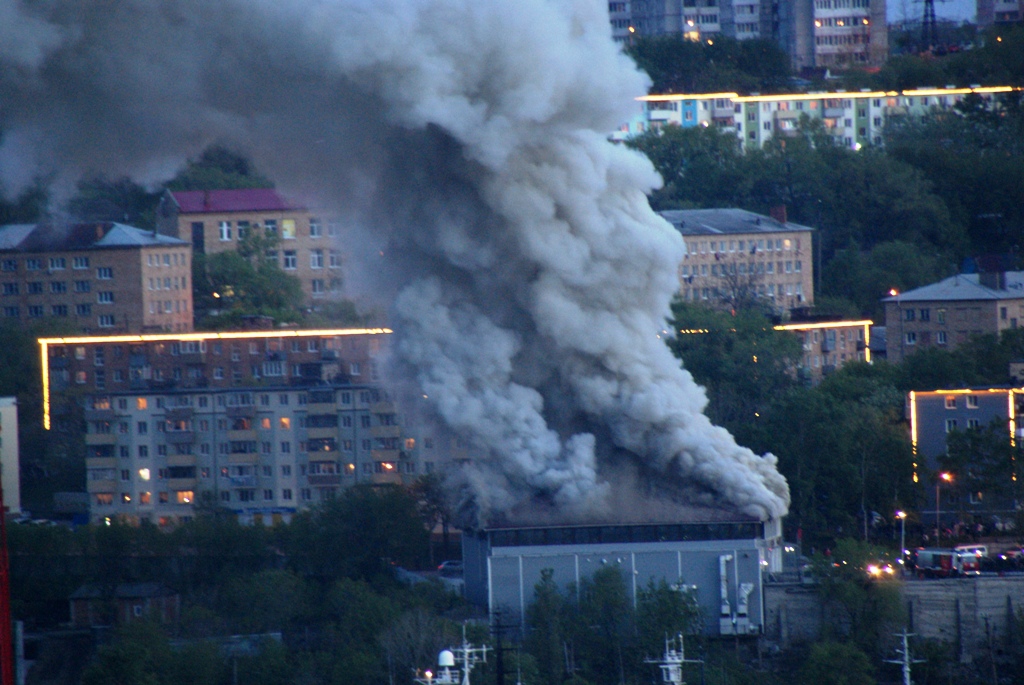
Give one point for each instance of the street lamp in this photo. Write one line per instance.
(948, 477)
(902, 516)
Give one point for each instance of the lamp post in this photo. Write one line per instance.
(948, 477)
(902, 516)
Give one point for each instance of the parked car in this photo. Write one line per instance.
(450, 569)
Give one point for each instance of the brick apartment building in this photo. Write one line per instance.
(946, 314)
(828, 345)
(264, 423)
(98, 276)
(216, 220)
(733, 256)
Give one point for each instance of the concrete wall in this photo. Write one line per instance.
(960, 611)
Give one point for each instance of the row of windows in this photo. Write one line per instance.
(924, 314)
(59, 310)
(970, 401)
(56, 264)
(911, 337)
(265, 370)
(239, 399)
(742, 268)
(722, 246)
(57, 288)
(169, 259)
(761, 290)
(953, 424)
(287, 228)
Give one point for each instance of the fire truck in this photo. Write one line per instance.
(945, 563)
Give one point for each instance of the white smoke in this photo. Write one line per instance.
(465, 142)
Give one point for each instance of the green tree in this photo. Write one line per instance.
(361, 534)
(601, 629)
(663, 612)
(219, 168)
(547, 632)
(744, 363)
(139, 655)
(244, 282)
(837, 663)
(99, 198)
(984, 460)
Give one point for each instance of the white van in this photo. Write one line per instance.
(976, 550)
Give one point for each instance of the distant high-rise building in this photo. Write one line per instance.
(815, 33)
(991, 12)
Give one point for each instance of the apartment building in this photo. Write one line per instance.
(263, 423)
(735, 256)
(829, 345)
(98, 276)
(815, 33)
(854, 119)
(216, 220)
(948, 313)
(996, 12)
(933, 415)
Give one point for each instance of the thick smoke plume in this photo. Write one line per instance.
(464, 143)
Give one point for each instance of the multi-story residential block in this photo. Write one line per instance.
(933, 415)
(815, 33)
(96, 277)
(264, 423)
(854, 119)
(735, 256)
(216, 220)
(10, 457)
(948, 313)
(995, 12)
(828, 345)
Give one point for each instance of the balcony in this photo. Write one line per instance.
(249, 458)
(180, 414)
(244, 412)
(325, 480)
(101, 439)
(180, 437)
(101, 486)
(321, 433)
(100, 463)
(243, 481)
(179, 484)
(385, 455)
(247, 435)
(386, 478)
(386, 432)
(321, 408)
(58, 362)
(99, 414)
(383, 408)
(181, 460)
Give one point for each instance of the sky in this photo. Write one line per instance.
(956, 10)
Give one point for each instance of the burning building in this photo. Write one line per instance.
(463, 147)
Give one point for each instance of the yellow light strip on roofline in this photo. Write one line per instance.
(735, 97)
(913, 429)
(814, 96)
(674, 97)
(830, 324)
(44, 345)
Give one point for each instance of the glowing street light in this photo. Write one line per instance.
(902, 516)
(947, 477)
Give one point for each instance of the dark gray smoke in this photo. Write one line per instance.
(464, 142)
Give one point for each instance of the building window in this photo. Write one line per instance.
(951, 402)
(940, 337)
(950, 425)
(9, 265)
(105, 273)
(318, 286)
(940, 316)
(910, 338)
(35, 311)
(973, 423)
(972, 401)
(59, 310)
(83, 309)
(58, 263)
(10, 288)
(224, 229)
(12, 312)
(290, 259)
(80, 263)
(334, 259)
(106, 321)
(105, 297)
(926, 315)
(60, 287)
(316, 228)
(316, 259)
(82, 286)
(33, 264)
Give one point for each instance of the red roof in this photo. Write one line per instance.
(244, 200)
